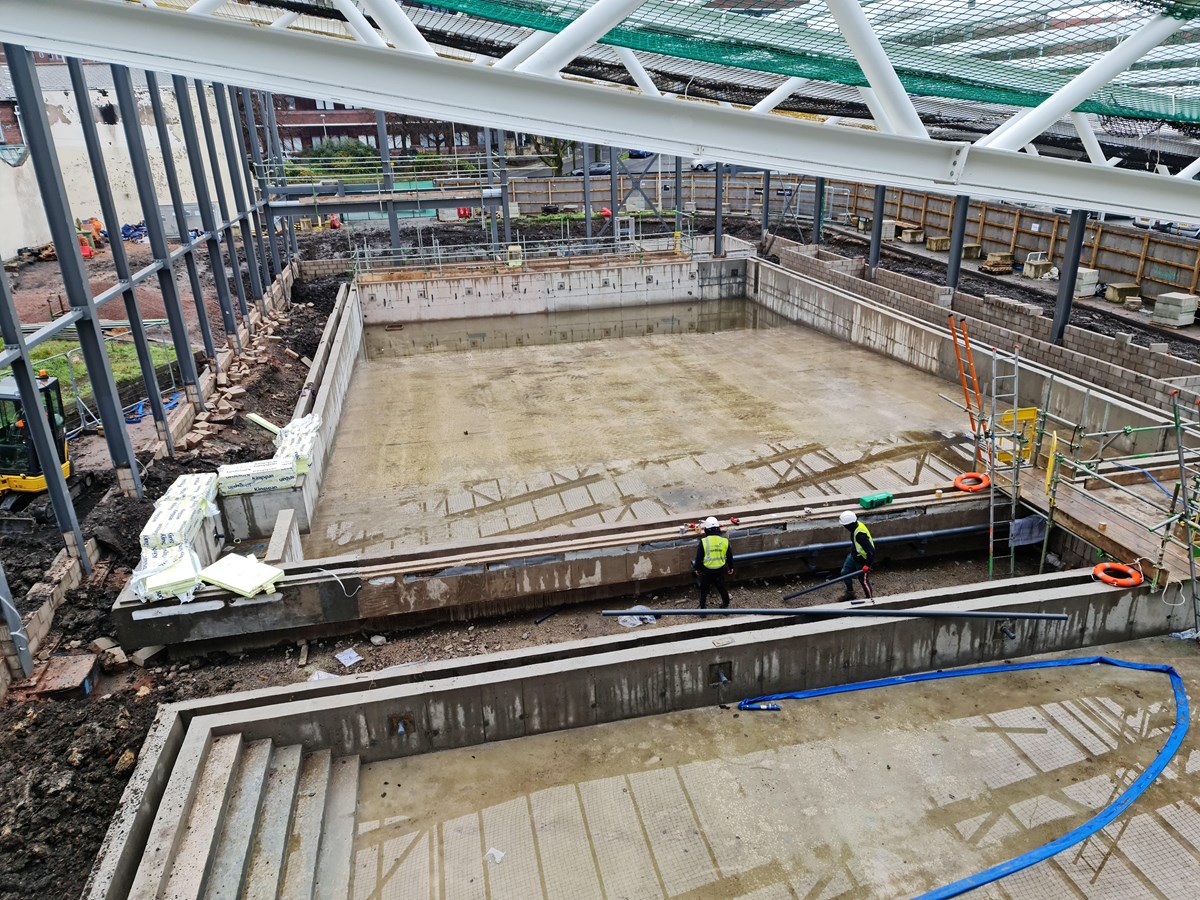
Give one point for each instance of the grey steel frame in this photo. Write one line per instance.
(82, 315)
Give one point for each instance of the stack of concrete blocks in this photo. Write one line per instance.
(889, 230)
(1176, 310)
(938, 242)
(1086, 281)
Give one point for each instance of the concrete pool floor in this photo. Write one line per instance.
(456, 446)
(887, 793)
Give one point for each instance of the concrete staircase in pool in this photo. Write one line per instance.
(260, 821)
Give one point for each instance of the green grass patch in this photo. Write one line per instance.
(122, 355)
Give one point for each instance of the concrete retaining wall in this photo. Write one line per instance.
(590, 283)
(913, 300)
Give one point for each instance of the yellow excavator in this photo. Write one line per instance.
(21, 472)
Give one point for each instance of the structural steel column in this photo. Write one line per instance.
(679, 194)
(613, 199)
(766, 204)
(876, 231)
(235, 162)
(276, 148)
(818, 225)
(1068, 274)
(214, 163)
(185, 237)
(148, 196)
(260, 171)
(112, 222)
(719, 231)
(587, 191)
(389, 182)
(36, 421)
(490, 211)
(502, 158)
(75, 281)
(16, 628)
(254, 203)
(216, 261)
(958, 234)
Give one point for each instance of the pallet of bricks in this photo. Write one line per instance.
(1175, 310)
(997, 264)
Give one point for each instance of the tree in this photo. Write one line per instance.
(554, 152)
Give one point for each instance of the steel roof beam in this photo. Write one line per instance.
(445, 89)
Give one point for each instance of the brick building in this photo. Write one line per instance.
(305, 123)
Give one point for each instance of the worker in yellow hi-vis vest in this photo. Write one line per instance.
(861, 557)
(713, 558)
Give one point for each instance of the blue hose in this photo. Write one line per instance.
(1147, 474)
(1088, 828)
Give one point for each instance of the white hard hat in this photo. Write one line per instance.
(847, 518)
(711, 522)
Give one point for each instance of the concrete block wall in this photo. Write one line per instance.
(314, 269)
(65, 574)
(1088, 360)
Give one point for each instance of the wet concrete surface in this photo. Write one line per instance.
(886, 793)
(439, 447)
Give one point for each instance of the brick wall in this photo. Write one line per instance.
(10, 130)
(312, 269)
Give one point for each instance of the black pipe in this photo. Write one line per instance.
(842, 545)
(876, 231)
(816, 587)
(826, 611)
(958, 233)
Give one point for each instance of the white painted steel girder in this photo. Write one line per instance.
(295, 63)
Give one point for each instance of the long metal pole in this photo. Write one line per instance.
(214, 162)
(16, 628)
(502, 159)
(1067, 275)
(260, 172)
(1189, 509)
(719, 219)
(833, 611)
(235, 163)
(679, 194)
(112, 221)
(491, 178)
(587, 192)
(818, 226)
(216, 262)
(958, 235)
(389, 182)
(148, 197)
(189, 258)
(75, 281)
(876, 231)
(242, 117)
(765, 225)
(276, 148)
(614, 201)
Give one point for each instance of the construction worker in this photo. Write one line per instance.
(713, 557)
(861, 557)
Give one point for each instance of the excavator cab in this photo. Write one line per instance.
(20, 468)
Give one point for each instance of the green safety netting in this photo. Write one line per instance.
(1012, 52)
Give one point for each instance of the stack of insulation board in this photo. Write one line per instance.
(170, 564)
(296, 443)
(1175, 309)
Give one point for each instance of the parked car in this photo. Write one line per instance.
(641, 154)
(595, 169)
(704, 165)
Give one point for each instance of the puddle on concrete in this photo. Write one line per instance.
(448, 447)
(883, 794)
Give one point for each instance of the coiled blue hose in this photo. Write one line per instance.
(1088, 828)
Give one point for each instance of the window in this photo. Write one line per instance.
(369, 139)
(324, 104)
(396, 141)
(288, 102)
(462, 138)
(292, 144)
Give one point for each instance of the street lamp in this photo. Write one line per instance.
(324, 130)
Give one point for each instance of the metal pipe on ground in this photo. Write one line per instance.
(785, 552)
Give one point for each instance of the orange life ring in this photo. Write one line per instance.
(972, 481)
(1132, 576)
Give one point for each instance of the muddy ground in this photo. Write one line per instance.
(63, 765)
